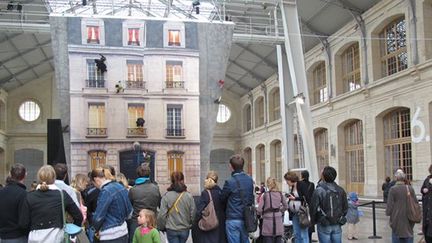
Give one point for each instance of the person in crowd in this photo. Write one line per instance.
(178, 209)
(386, 187)
(210, 187)
(42, 211)
(113, 207)
(121, 178)
(426, 191)
(237, 193)
(147, 232)
(13, 195)
(329, 206)
(353, 216)
(308, 196)
(397, 205)
(143, 195)
(297, 195)
(79, 184)
(90, 196)
(61, 174)
(271, 206)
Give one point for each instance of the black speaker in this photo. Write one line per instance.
(56, 152)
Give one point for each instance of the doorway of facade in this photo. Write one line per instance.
(131, 159)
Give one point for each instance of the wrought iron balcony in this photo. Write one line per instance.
(137, 132)
(130, 84)
(95, 83)
(174, 132)
(96, 132)
(174, 84)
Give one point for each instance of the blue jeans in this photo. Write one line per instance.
(397, 239)
(236, 231)
(330, 233)
(175, 236)
(301, 235)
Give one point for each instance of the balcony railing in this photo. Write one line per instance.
(96, 132)
(94, 83)
(130, 84)
(137, 132)
(174, 84)
(173, 132)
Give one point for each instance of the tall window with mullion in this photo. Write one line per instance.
(351, 68)
(95, 77)
(135, 77)
(319, 84)
(174, 120)
(174, 74)
(96, 115)
(135, 111)
(393, 42)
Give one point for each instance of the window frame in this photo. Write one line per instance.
(354, 152)
(319, 84)
(400, 45)
(175, 161)
(37, 103)
(351, 76)
(322, 148)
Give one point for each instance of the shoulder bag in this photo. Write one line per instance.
(304, 214)
(414, 212)
(209, 220)
(162, 219)
(249, 212)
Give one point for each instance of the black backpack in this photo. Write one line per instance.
(332, 205)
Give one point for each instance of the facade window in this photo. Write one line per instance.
(354, 156)
(224, 114)
(135, 111)
(174, 74)
(133, 37)
(248, 160)
(319, 84)
(94, 75)
(174, 121)
(97, 159)
(298, 152)
(174, 38)
(93, 34)
(96, 125)
(321, 147)
(393, 45)
(135, 70)
(351, 68)
(259, 112)
(261, 163)
(248, 118)
(175, 162)
(277, 161)
(275, 109)
(397, 142)
(29, 111)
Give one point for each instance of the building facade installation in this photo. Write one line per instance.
(370, 103)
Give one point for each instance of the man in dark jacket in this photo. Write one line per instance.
(237, 192)
(329, 205)
(12, 198)
(144, 195)
(310, 188)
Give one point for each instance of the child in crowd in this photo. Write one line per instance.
(353, 216)
(146, 232)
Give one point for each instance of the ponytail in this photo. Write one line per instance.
(43, 186)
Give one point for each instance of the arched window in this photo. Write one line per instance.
(274, 109)
(393, 47)
(260, 163)
(351, 68)
(321, 147)
(247, 118)
(397, 142)
(276, 160)
(247, 153)
(319, 84)
(259, 112)
(354, 156)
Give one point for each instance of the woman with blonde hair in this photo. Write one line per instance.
(113, 207)
(210, 189)
(270, 207)
(43, 209)
(79, 184)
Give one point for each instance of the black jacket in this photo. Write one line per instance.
(144, 196)
(43, 210)
(12, 199)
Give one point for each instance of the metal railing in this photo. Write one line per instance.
(173, 132)
(174, 84)
(130, 84)
(97, 132)
(137, 131)
(95, 83)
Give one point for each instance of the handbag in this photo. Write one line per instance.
(70, 230)
(304, 215)
(162, 219)
(209, 220)
(414, 212)
(249, 213)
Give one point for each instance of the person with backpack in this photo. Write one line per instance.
(270, 207)
(329, 207)
(297, 197)
(238, 194)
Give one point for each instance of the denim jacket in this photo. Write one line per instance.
(113, 207)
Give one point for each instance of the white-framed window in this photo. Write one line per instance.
(174, 34)
(95, 78)
(96, 115)
(135, 70)
(29, 111)
(224, 114)
(133, 33)
(174, 120)
(133, 37)
(92, 32)
(174, 38)
(135, 111)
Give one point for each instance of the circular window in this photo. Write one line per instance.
(29, 111)
(224, 114)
